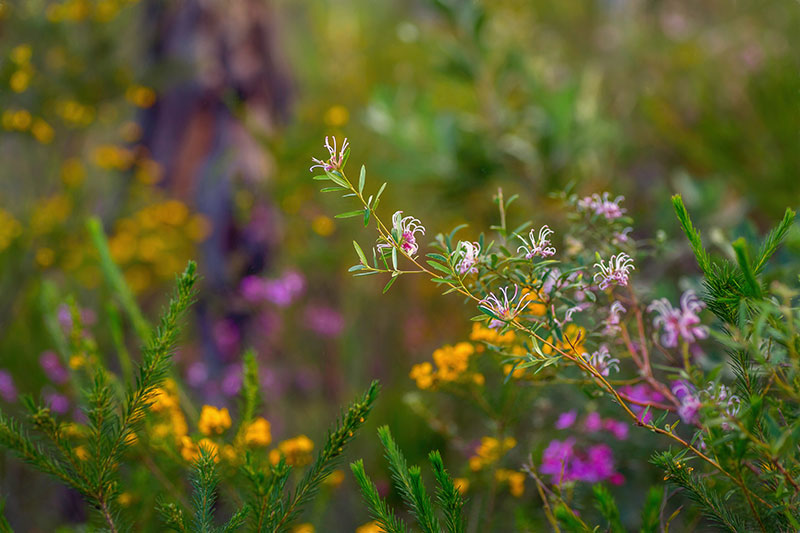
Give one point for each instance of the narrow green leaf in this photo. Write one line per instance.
(362, 178)
(349, 214)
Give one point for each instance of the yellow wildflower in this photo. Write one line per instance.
(490, 451)
(258, 433)
(336, 116)
(369, 527)
(303, 528)
(81, 453)
(491, 336)
(125, 499)
(20, 80)
(515, 480)
(461, 484)
(140, 96)
(423, 375)
(334, 479)
(452, 360)
(322, 225)
(21, 54)
(213, 420)
(42, 131)
(72, 172)
(296, 451)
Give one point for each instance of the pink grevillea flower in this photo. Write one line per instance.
(336, 160)
(505, 308)
(612, 321)
(602, 361)
(621, 237)
(469, 252)
(690, 403)
(537, 246)
(404, 230)
(602, 205)
(725, 400)
(680, 323)
(616, 272)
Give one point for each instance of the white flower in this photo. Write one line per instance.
(505, 308)
(336, 160)
(405, 230)
(540, 246)
(616, 271)
(469, 252)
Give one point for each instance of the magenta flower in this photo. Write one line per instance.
(564, 463)
(566, 420)
(505, 308)
(53, 369)
(540, 246)
(680, 323)
(616, 428)
(616, 272)
(253, 289)
(602, 205)
(325, 321)
(336, 160)
(602, 361)
(404, 229)
(284, 290)
(556, 459)
(612, 321)
(58, 403)
(593, 422)
(7, 388)
(469, 253)
(642, 393)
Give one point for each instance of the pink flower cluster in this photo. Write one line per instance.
(615, 272)
(564, 462)
(405, 230)
(602, 205)
(537, 247)
(682, 323)
(469, 253)
(643, 394)
(281, 291)
(593, 423)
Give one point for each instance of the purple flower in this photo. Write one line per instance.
(565, 420)
(612, 321)
(504, 309)
(602, 361)
(253, 289)
(621, 237)
(593, 423)
(284, 290)
(540, 246)
(404, 230)
(616, 428)
(325, 321)
(680, 323)
(197, 374)
(644, 394)
(616, 272)
(58, 403)
(690, 403)
(556, 459)
(226, 335)
(602, 205)
(336, 160)
(232, 381)
(469, 253)
(53, 369)
(7, 388)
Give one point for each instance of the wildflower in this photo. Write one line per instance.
(53, 369)
(369, 527)
(191, 451)
(616, 271)
(556, 458)
(423, 374)
(642, 394)
(504, 310)
(565, 420)
(452, 360)
(258, 433)
(602, 361)
(690, 403)
(680, 323)
(564, 463)
(324, 321)
(336, 160)
(516, 481)
(593, 422)
(304, 528)
(491, 336)
(404, 230)
(296, 451)
(213, 420)
(621, 237)
(612, 321)
(469, 252)
(7, 388)
(602, 205)
(334, 479)
(461, 484)
(616, 428)
(724, 400)
(540, 246)
(490, 451)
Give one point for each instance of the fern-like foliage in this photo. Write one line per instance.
(273, 511)
(408, 482)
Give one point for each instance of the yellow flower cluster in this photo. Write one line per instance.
(480, 333)
(78, 10)
(296, 451)
(50, 213)
(452, 363)
(515, 480)
(23, 70)
(574, 337)
(112, 157)
(155, 242)
(190, 450)
(490, 451)
(140, 96)
(172, 421)
(22, 120)
(10, 229)
(369, 527)
(214, 421)
(258, 433)
(75, 113)
(461, 484)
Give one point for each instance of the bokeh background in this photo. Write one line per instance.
(187, 127)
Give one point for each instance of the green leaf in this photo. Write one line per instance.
(743, 258)
(389, 284)
(362, 178)
(349, 214)
(360, 253)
